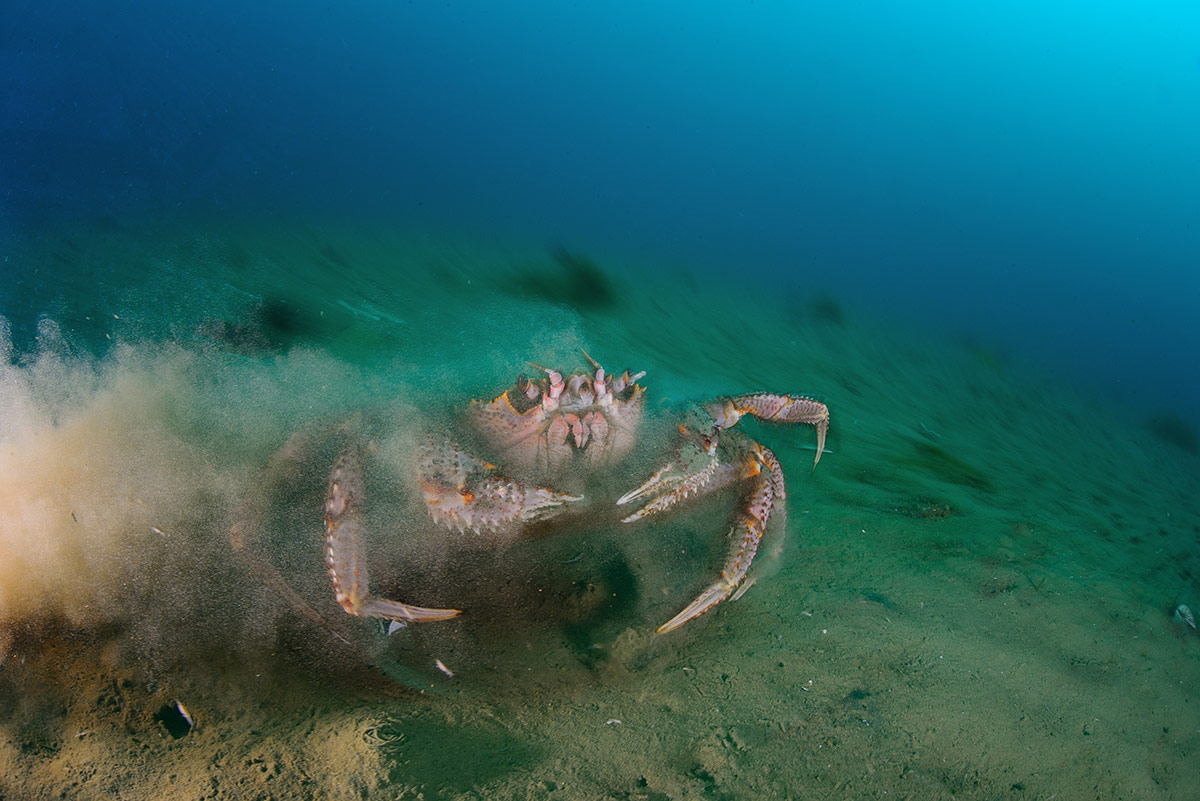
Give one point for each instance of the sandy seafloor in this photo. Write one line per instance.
(971, 596)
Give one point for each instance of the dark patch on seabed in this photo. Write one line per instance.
(978, 593)
(1172, 428)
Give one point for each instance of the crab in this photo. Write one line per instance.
(558, 427)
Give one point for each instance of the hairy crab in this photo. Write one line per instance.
(555, 426)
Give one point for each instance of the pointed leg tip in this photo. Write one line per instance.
(677, 621)
(402, 612)
(434, 615)
(706, 601)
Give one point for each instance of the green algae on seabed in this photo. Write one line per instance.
(980, 613)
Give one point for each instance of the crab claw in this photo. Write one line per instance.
(460, 494)
(775, 408)
(495, 504)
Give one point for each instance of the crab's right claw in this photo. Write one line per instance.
(460, 494)
(497, 505)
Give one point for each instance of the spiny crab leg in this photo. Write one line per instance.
(767, 489)
(696, 470)
(775, 408)
(344, 550)
(250, 518)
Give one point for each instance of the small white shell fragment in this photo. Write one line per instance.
(1184, 615)
(183, 711)
(438, 664)
(395, 626)
(612, 722)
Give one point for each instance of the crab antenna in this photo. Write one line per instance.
(550, 372)
(554, 376)
(595, 363)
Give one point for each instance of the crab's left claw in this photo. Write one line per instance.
(767, 489)
(775, 408)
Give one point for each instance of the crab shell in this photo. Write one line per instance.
(541, 424)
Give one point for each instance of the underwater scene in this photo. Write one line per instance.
(647, 401)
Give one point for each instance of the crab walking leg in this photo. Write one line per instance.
(776, 408)
(249, 520)
(344, 556)
(674, 483)
(767, 490)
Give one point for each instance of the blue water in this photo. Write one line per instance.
(1023, 174)
(973, 229)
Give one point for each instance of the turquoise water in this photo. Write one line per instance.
(234, 242)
